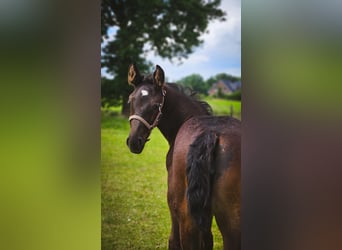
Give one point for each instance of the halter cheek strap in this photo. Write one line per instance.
(156, 120)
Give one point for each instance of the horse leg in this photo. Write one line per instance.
(189, 234)
(174, 239)
(192, 237)
(231, 236)
(227, 209)
(185, 234)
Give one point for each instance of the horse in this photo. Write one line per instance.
(203, 160)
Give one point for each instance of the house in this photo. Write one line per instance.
(225, 86)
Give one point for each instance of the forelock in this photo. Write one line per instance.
(148, 78)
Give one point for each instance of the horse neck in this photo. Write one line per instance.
(178, 108)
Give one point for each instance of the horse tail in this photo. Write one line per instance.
(200, 171)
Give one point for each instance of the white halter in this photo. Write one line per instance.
(156, 120)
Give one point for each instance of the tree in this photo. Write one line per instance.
(170, 28)
(195, 82)
(108, 94)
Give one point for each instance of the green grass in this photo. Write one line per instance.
(223, 106)
(134, 207)
(135, 214)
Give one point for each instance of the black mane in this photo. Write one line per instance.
(193, 96)
(184, 90)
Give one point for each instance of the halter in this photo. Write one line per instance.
(156, 120)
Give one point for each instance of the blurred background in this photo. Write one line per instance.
(50, 125)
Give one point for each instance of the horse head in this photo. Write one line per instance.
(146, 103)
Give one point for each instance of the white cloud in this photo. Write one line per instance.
(197, 58)
(222, 32)
(220, 52)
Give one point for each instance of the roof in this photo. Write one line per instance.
(233, 86)
(227, 85)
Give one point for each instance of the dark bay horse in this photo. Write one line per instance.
(203, 161)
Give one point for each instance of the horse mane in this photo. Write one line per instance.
(193, 96)
(187, 92)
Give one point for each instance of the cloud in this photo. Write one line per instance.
(222, 32)
(197, 58)
(224, 38)
(220, 52)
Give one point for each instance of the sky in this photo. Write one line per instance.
(220, 52)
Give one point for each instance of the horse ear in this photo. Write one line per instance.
(158, 76)
(133, 75)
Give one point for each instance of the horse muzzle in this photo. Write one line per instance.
(136, 144)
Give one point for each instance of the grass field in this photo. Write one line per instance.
(134, 206)
(219, 106)
(224, 107)
(134, 209)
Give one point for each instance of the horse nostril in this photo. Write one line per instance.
(140, 141)
(135, 144)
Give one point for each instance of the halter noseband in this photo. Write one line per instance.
(156, 120)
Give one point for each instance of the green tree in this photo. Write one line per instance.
(108, 94)
(195, 82)
(169, 28)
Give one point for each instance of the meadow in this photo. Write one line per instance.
(134, 209)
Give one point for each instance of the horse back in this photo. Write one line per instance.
(207, 149)
(226, 129)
